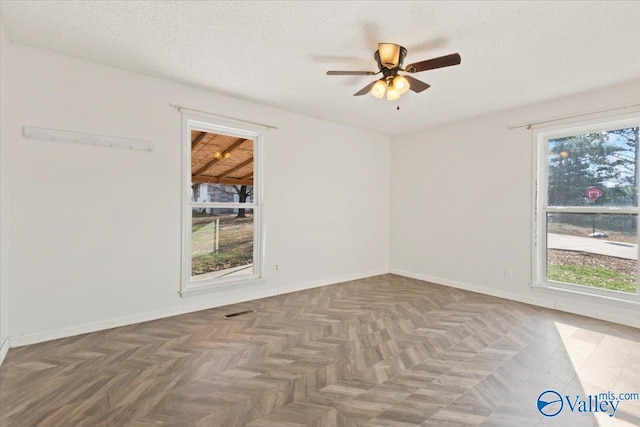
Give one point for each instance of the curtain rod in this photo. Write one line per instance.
(529, 125)
(183, 108)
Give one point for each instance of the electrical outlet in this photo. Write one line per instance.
(276, 267)
(508, 272)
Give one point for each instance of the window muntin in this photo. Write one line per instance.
(588, 176)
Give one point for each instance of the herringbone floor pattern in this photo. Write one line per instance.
(383, 351)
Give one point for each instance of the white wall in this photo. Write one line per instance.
(4, 312)
(94, 232)
(461, 204)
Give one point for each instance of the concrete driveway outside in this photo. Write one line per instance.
(592, 245)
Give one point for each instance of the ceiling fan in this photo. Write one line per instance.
(390, 57)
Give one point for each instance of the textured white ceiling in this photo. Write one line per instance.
(277, 53)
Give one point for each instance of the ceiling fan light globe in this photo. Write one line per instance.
(392, 94)
(401, 84)
(378, 89)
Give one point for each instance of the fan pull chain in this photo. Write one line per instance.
(398, 106)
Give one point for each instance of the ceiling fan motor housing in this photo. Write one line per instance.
(389, 56)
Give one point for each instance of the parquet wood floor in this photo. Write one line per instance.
(382, 351)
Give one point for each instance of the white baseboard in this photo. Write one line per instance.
(35, 338)
(331, 281)
(550, 303)
(473, 288)
(38, 337)
(4, 349)
(204, 304)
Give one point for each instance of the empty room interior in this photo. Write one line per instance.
(322, 213)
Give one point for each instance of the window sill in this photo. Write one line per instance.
(219, 286)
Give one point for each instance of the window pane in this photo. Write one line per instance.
(221, 168)
(594, 250)
(221, 243)
(594, 169)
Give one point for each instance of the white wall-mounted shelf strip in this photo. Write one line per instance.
(86, 138)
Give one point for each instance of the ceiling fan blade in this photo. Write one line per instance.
(416, 85)
(430, 64)
(350, 73)
(365, 89)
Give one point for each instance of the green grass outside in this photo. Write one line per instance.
(196, 227)
(596, 277)
(236, 243)
(206, 263)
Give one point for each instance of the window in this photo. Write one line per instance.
(221, 214)
(587, 209)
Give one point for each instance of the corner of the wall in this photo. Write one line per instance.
(4, 349)
(331, 281)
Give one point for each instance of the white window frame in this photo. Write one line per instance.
(541, 208)
(188, 286)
